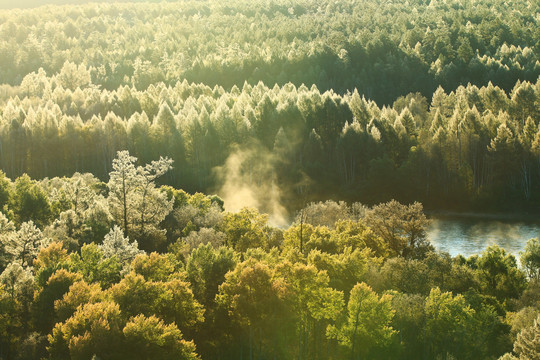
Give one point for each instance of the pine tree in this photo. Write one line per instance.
(135, 202)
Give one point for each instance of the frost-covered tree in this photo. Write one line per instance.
(17, 281)
(23, 246)
(403, 227)
(152, 206)
(528, 342)
(123, 181)
(78, 190)
(66, 228)
(6, 225)
(6, 230)
(205, 236)
(16, 294)
(72, 76)
(135, 202)
(527, 345)
(115, 244)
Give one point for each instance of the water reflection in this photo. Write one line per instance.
(472, 236)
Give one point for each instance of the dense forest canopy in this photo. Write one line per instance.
(472, 148)
(128, 268)
(384, 49)
(23, 4)
(82, 82)
(117, 118)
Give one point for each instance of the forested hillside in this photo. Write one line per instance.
(118, 120)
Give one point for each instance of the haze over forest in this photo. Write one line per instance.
(247, 179)
(26, 4)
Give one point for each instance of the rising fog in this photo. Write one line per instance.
(248, 179)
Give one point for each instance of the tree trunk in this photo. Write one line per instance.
(250, 343)
(124, 199)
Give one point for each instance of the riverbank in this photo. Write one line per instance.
(506, 217)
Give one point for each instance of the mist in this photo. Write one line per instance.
(248, 178)
(27, 4)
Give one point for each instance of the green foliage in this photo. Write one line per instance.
(193, 93)
(154, 267)
(245, 229)
(206, 268)
(409, 321)
(149, 338)
(402, 227)
(468, 143)
(499, 275)
(367, 324)
(94, 267)
(384, 114)
(56, 286)
(49, 259)
(255, 300)
(358, 236)
(278, 302)
(79, 294)
(344, 269)
(424, 52)
(29, 202)
(314, 304)
(406, 275)
(449, 324)
(94, 329)
(5, 191)
(530, 259)
(171, 300)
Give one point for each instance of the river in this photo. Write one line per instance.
(468, 236)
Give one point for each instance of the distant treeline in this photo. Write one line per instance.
(384, 49)
(472, 147)
(24, 4)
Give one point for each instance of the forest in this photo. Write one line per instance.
(250, 179)
(336, 101)
(130, 269)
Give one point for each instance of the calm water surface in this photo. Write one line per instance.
(468, 236)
